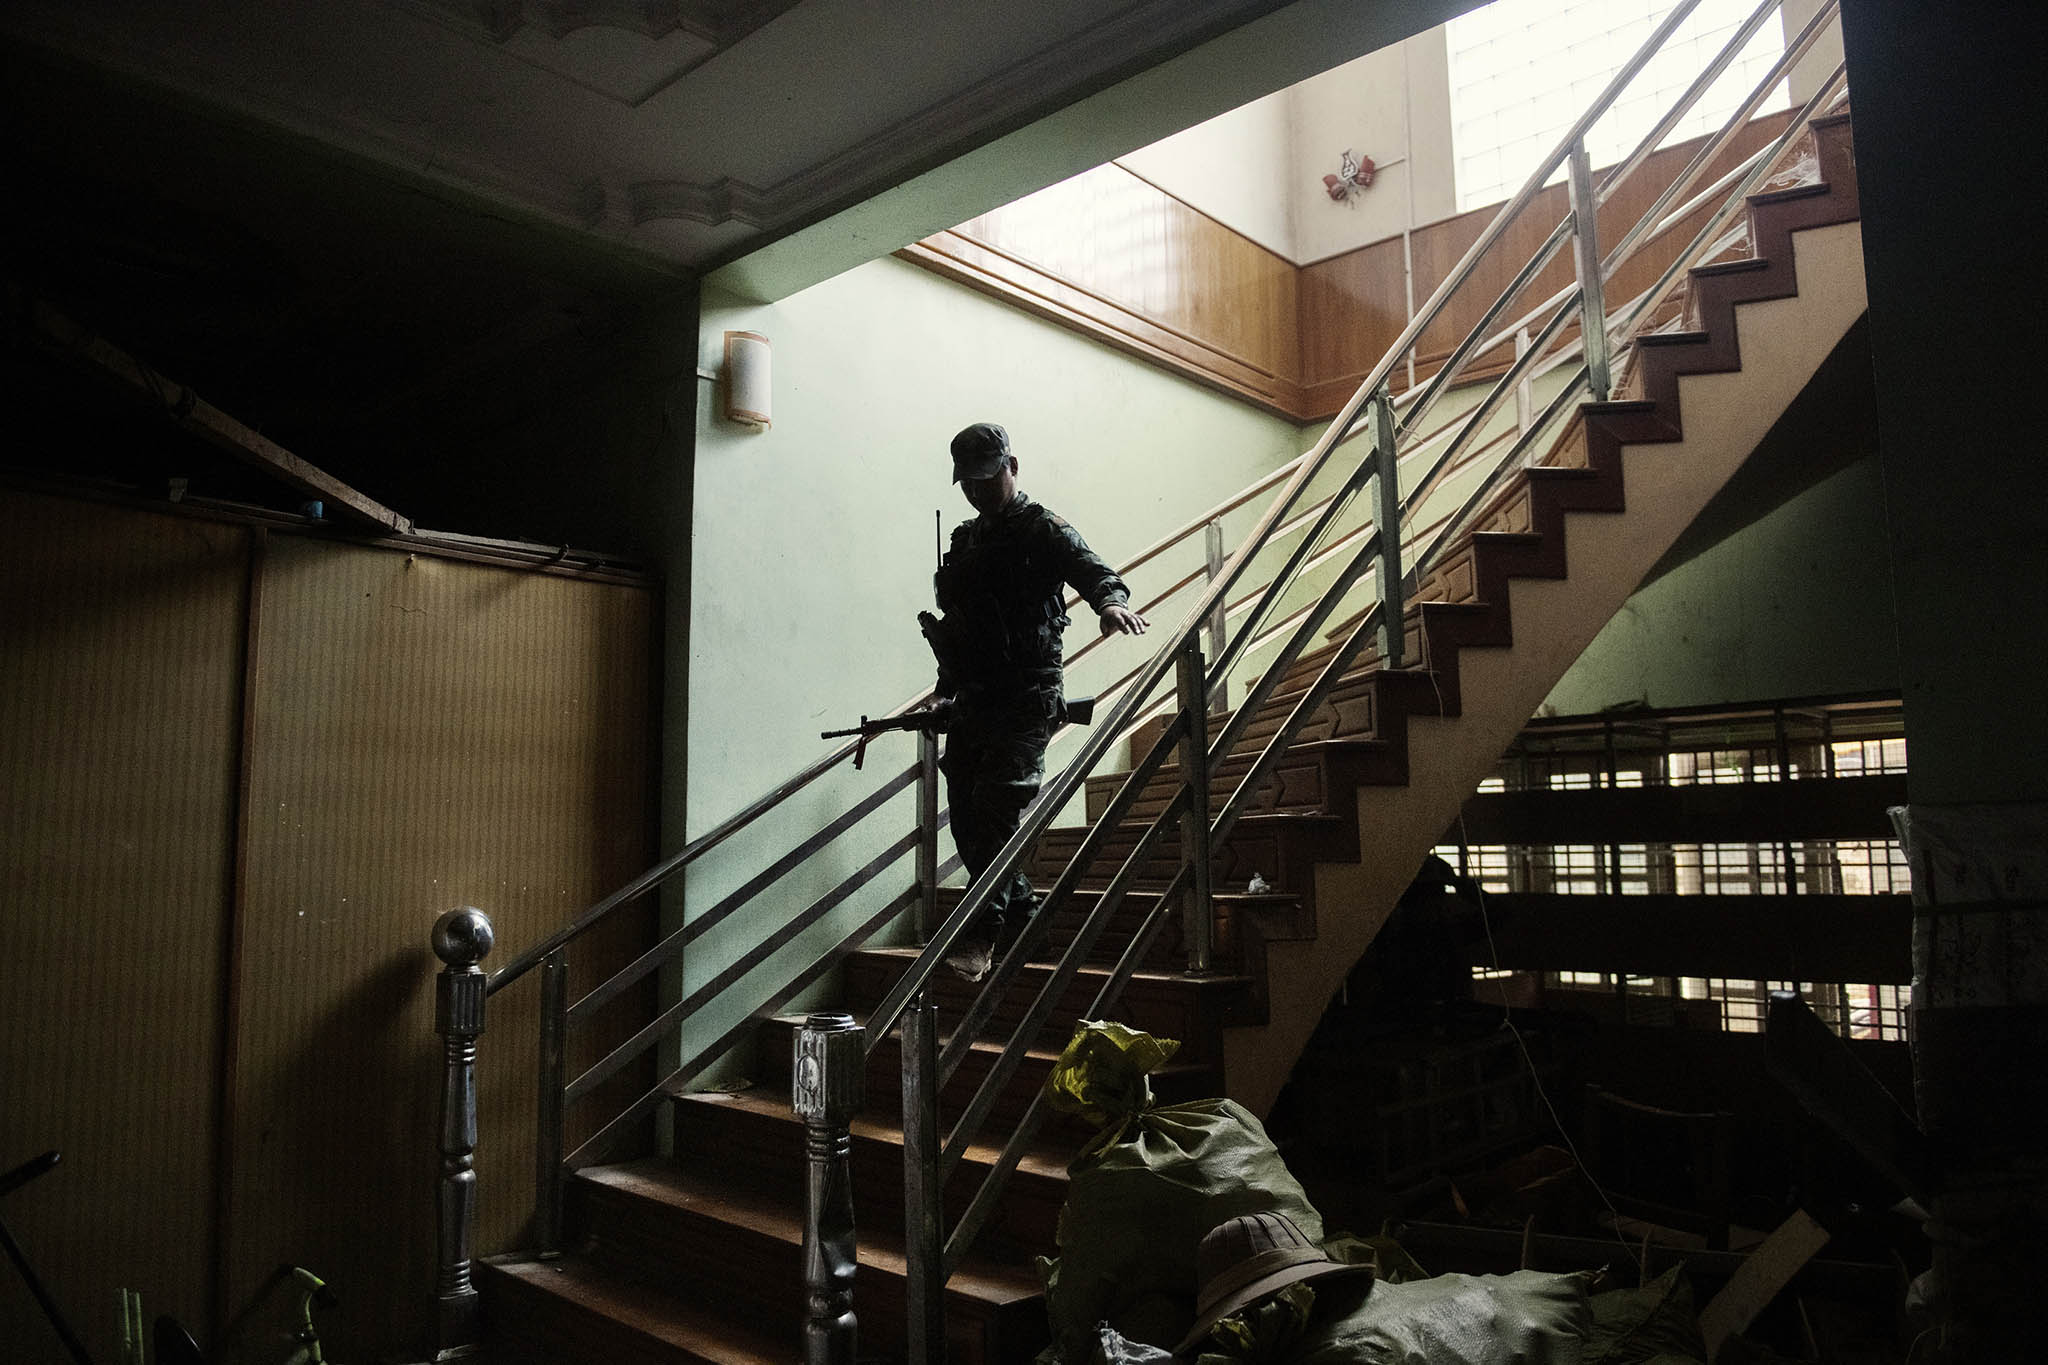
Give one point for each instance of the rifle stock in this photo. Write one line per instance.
(937, 719)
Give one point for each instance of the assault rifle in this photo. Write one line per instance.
(937, 719)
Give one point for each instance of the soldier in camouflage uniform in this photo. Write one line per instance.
(1000, 586)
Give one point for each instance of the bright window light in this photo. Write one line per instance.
(1523, 70)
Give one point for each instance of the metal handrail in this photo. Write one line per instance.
(1057, 793)
(1314, 619)
(657, 875)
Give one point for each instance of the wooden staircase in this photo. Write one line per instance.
(698, 1259)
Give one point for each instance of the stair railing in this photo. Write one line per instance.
(1265, 607)
(1376, 555)
(466, 984)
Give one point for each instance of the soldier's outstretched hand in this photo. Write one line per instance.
(1122, 620)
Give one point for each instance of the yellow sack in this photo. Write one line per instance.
(1145, 1189)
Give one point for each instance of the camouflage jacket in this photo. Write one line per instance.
(1001, 586)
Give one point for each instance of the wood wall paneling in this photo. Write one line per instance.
(426, 734)
(412, 734)
(1343, 340)
(1118, 259)
(120, 682)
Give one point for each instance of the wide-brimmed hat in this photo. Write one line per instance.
(1243, 1260)
(979, 451)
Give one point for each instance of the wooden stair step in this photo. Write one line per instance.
(575, 1311)
(754, 1138)
(1300, 779)
(1167, 954)
(1175, 1081)
(744, 1250)
(1167, 1004)
(1279, 846)
(1300, 675)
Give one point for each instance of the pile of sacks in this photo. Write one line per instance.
(1185, 1236)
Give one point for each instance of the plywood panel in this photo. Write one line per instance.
(426, 734)
(120, 674)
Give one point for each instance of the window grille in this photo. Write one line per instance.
(1522, 70)
(1796, 742)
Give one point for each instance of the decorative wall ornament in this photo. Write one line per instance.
(1354, 174)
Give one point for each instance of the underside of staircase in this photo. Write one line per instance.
(698, 1258)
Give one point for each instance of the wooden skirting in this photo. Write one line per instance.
(246, 770)
(1117, 259)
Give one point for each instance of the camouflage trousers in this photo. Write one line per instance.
(993, 763)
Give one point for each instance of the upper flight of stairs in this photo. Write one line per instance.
(698, 1258)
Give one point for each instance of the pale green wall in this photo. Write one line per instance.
(1796, 604)
(812, 542)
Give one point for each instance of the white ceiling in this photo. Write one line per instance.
(686, 129)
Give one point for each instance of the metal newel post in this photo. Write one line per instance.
(461, 940)
(923, 1215)
(830, 1062)
(1194, 827)
(1586, 249)
(927, 834)
(1219, 617)
(547, 1147)
(1386, 454)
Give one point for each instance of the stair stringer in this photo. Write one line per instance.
(1724, 415)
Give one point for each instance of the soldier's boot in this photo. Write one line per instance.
(974, 952)
(982, 944)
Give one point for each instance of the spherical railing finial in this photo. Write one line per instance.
(462, 937)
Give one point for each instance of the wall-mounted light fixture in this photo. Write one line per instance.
(747, 389)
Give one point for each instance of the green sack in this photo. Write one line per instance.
(1389, 1260)
(1527, 1318)
(1265, 1332)
(1653, 1325)
(1145, 1189)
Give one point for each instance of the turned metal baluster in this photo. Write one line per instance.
(1386, 455)
(923, 1215)
(461, 939)
(547, 1151)
(830, 1062)
(1194, 830)
(1219, 615)
(927, 834)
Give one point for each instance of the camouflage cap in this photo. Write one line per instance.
(979, 451)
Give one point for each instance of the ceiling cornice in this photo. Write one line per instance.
(721, 25)
(1132, 37)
